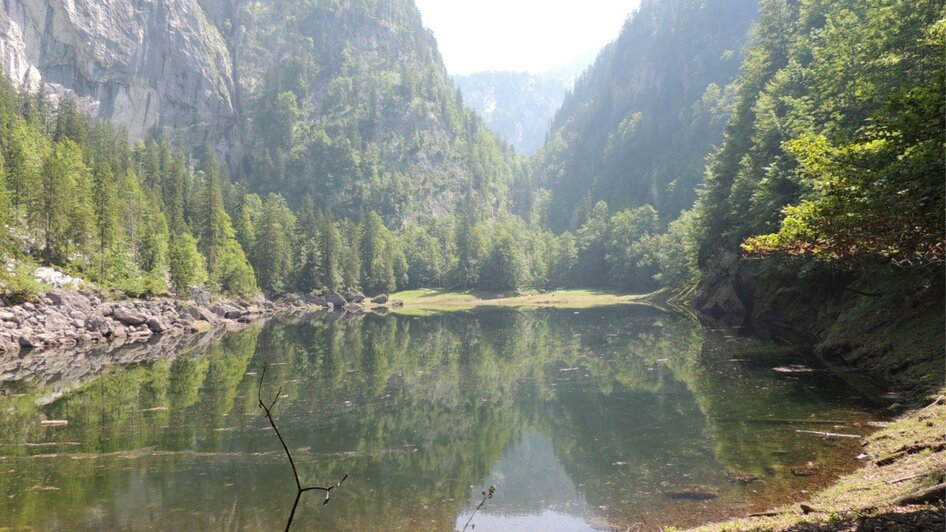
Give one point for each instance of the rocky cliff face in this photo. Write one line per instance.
(146, 65)
(313, 97)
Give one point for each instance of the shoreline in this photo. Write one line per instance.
(899, 486)
(70, 319)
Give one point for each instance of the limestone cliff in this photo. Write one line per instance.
(146, 65)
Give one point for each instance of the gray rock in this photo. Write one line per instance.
(234, 314)
(128, 317)
(355, 297)
(69, 299)
(156, 325)
(53, 277)
(55, 321)
(6, 315)
(336, 299)
(199, 296)
(380, 299)
(97, 324)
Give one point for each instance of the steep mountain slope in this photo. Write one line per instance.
(639, 123)
(518, 106)
(348, 102)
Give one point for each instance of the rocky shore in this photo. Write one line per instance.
(67, 318)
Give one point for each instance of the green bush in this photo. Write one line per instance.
(21, 286)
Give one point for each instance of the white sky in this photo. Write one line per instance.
(530, 35)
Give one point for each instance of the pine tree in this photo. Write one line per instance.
(213, 222)
(105, 207)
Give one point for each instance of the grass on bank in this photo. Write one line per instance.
(903, 458)
(432, 300)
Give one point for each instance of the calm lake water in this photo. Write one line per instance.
(582, 420)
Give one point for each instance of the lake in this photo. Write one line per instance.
(583, 420)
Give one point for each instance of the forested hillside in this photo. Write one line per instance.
(517, 106)
(637, 126)
(830, 183)
(349, 103)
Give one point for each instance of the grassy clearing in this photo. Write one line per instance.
(906, 456)
(429, 300)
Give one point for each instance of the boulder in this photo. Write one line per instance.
(97, 324)
(53, 277)
(128, 316)
(6, 315)
(156, 325)
(70, 300)
(200, 296)
(234, 314)
(55, 321)
(336, 299)
(355, 296)
(353, 307)
(380, 299)
(220, 309)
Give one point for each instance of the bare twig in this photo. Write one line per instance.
(486, 496)
(300, 489)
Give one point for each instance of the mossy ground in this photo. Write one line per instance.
(866, 499)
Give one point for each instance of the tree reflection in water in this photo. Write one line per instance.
(611, 407)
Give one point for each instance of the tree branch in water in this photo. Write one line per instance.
(300, 489)
(486, 496)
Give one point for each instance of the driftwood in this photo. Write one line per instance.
(786, 421)
(923, 496)
(830, 434)
(300, 489)
(904, 479)
(910, 449)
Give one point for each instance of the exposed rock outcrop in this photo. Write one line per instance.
(69, 318)
(145, 65)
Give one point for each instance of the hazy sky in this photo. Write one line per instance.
(532, 35)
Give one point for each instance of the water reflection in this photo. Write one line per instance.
(589, 418)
